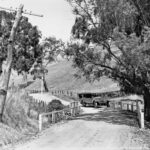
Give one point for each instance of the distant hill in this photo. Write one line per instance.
(61, 76)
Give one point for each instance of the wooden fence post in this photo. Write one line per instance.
(137, 106)
(75, 108)
(128, 107)
(63, 114)
(53, 117)
(45, 106)
(142, 120)
(114, 105)
(72, 112)
(72, 108)
(140, 113)
(121, 105)
(40, 122)
(79, 109)
(132, 107)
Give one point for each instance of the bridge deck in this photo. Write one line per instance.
(96, 128)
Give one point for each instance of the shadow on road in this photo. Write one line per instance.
(112, 116)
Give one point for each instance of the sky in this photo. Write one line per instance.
(58, 18)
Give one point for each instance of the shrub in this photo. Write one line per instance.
(55, 105)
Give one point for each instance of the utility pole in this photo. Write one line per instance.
(7, 70)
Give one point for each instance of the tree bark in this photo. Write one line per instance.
(7, 70)
(45, 84)
(44, 87)
(147, 103)
(25, 78)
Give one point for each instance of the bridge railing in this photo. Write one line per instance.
(64, 92)
(53, 117)
(133, 106)
(69, 93)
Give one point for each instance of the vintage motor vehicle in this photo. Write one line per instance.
(97, 98)
(95, 101)
(99, 101)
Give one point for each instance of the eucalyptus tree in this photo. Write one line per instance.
(114, 41)
(51, 48)
(17, 42)
(25, 45)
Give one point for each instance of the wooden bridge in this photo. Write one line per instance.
(46, 119)
(74, 110)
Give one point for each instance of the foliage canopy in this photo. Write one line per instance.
(111, 38)
(26, 48)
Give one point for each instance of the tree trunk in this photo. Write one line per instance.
(7, 70)
(44, 87)
(25, 78)
(147, 103)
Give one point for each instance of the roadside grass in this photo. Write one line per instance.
(17, 125)
(145, 135)
(8, 135)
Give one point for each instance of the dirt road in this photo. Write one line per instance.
(101, 128)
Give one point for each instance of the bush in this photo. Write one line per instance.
(55, 105)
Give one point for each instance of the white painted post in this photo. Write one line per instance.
(79, 109)
(53, 117)
(63, 114)
(142, 120)
(140, 115)
(72, 108)
(72, 112)
(76, 108)
(40, 122)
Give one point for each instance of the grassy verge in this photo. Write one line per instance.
(17, 124)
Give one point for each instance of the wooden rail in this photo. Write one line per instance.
(74, 93)
(64, 92)
(133, 106)
(56, 92)
(56, 116)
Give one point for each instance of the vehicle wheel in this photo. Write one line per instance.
(95, 104)
(108, 104)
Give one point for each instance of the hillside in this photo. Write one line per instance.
(61, 76)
